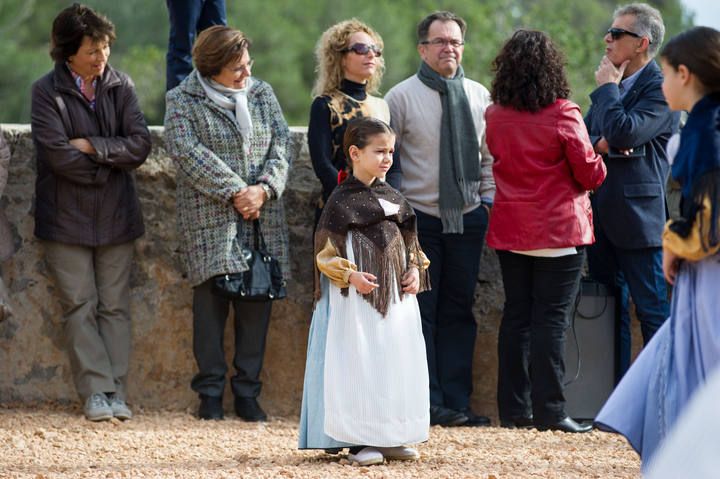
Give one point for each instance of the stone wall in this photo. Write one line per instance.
(33, 363)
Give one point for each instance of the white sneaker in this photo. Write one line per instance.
(367, 456)
(400, 453)
(97, 408)
(119, 409)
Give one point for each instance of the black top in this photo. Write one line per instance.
(325, 139)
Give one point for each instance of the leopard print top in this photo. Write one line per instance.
(344, 108)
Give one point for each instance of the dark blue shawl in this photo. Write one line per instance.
(697, 166)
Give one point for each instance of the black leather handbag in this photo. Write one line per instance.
(263, 281)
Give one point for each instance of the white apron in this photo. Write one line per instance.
(376, 379)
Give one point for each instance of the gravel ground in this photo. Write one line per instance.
(55, 442)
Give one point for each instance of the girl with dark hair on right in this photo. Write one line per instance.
(686, 349)
(541, 222)
(366, 378)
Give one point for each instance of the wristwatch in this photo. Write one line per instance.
(267, 189)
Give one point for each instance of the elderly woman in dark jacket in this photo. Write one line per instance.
(6, 246)
(225, 130)
(89, 135)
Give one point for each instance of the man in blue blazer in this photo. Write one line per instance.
(630, 123)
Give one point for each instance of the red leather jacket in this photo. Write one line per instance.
(544, 166)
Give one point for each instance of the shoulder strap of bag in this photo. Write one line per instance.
(257, 233)
(258, 238)
(63, 112)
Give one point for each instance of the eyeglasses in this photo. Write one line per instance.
(247, 67)
(363, 49)
(437, 42)
(616, 33)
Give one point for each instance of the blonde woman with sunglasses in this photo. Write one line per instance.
(350, 65)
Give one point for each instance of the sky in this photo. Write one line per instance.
(707, 12)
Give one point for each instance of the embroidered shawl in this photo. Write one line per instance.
(382, 245)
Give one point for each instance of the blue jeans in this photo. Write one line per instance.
(448, 322)
(187, 19)
(637, 273)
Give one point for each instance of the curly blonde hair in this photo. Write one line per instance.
(329, 54)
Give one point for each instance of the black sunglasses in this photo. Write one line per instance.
(363, 49)
(616, 33)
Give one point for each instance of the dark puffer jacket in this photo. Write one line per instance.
(82, 199)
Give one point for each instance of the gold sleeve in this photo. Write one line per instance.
(419, 260)
(691, 248)
(336, 268)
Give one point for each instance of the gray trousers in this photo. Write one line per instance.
(93, 285)
(210, 313)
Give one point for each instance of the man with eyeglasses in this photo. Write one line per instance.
(438, 115)
(630, 124)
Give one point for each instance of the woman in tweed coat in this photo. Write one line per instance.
(226, 133)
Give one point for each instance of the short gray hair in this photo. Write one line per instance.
(648, 23)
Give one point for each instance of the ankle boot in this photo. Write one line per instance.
(210, 407)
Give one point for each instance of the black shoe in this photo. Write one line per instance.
(475, 420)
(248, 409)
(210, 407)
(442, 416)
(517, 422)
(565, 425)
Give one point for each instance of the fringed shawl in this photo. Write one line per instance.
(382, 245)
(697, 168)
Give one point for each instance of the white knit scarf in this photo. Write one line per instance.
(231, 99)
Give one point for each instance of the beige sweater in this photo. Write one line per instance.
(415, 114)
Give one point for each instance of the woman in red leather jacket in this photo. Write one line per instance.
(541, 221)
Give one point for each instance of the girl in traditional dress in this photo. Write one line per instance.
(366, 378)
(684, 351)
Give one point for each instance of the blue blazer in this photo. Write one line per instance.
(629, 207)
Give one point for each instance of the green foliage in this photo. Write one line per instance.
(284, 34)
(146, 66)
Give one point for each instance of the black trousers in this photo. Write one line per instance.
(448, 322)
(539, 296)
(210, 314)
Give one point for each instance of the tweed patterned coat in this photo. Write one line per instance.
(213, 163)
